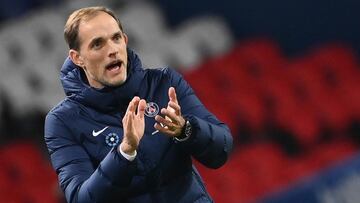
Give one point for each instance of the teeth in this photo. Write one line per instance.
(114, 67)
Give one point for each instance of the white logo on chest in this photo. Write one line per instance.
(152, 109)
(96, 133)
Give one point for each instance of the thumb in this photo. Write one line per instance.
(172, 95)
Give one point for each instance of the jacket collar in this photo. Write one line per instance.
(106, 99)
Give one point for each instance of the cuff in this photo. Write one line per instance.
(127, 156)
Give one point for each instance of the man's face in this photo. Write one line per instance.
(102, 53)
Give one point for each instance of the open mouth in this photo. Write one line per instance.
(114, 65)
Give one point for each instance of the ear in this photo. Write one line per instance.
(76, 58)
(125, 38)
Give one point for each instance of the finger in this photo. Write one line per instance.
(129, 106)
(176, 107)
(172, 95)
(136, 101)
(163, 129)
(170, 114)
(141, 108)
(164, 122)
(133, 104)
(129, 123)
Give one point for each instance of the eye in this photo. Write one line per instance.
(117, 37)
(97, 44)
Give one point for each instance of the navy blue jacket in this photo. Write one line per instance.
(90, 169)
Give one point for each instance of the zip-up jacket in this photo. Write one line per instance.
(83, 131)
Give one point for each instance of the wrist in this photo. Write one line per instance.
(185, 132)
(129, 157)
(127, 149)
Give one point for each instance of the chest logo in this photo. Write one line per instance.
(112, 139)
(152, 109)
(96, 133)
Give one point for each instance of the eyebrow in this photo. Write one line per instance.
(99, 39)
(117, 34)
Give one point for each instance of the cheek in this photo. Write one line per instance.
(94, 62)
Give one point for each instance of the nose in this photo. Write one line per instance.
(113, 50)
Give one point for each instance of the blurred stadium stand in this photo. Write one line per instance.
(283, 76)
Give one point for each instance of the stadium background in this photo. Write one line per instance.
(284, 75)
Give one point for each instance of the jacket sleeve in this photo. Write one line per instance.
(79, 179)
(211, 140)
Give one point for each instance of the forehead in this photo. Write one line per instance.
(100, 25)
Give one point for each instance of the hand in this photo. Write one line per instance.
(173, 122)
(133, 125)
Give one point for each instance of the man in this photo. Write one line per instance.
(125, 134)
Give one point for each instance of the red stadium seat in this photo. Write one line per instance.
(31, 176)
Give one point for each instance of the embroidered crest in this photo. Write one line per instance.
(112, 139)
(152, 109)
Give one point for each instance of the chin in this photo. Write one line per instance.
(116, 82)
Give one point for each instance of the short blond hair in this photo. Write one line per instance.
(71, 29)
